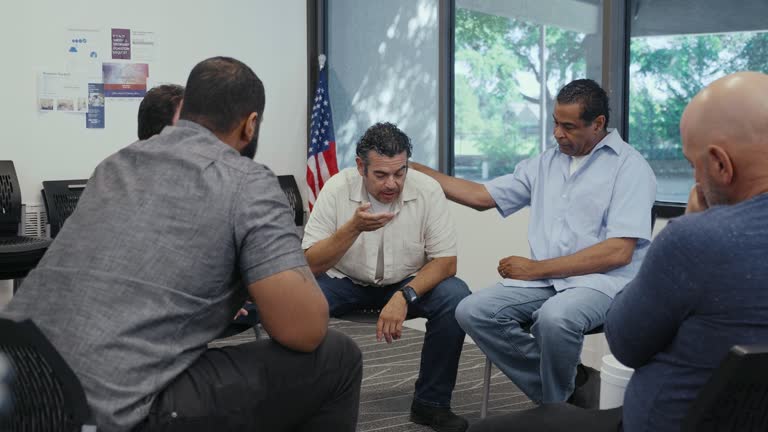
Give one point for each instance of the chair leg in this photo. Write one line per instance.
(486, 389)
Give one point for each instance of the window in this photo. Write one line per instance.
(383, 66)
(510, 57)
(676, 49)
(510, 60)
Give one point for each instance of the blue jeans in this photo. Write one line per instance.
(541, 363)
(444, 338)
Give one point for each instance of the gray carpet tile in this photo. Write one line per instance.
(390, 371)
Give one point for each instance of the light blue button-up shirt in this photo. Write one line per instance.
(610, 195)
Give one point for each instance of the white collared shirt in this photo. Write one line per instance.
(421, 230)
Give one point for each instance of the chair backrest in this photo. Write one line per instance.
(5, 392)
(60, 197)
(291, 190)
(45, 393)
(10, 200)
(736, 396)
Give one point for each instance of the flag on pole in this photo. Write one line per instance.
(321, 155)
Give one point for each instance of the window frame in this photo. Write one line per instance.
(663, 209)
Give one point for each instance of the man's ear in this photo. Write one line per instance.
(249, 127)
(720, 165)
(599, 123)
(360, 165)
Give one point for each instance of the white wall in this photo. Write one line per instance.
(484, 238)
(269, 36)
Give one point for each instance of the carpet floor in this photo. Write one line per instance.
(390, 371)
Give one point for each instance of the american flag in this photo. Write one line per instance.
(321, 156)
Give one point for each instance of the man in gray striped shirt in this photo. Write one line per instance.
(169, 238)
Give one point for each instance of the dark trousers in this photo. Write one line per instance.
(442, 342)
(262, 386)
(560, 417)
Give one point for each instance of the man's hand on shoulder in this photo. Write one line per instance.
(363, 220)
(515, 267)
(391, 318)
(696, 200)
(417, 167)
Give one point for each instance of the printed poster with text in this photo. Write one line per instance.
(121, 44)
(94, 118)
(85, 49)
(61, 92)
(143, 46)
(125, 80)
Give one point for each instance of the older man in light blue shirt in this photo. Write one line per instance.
(591, 199)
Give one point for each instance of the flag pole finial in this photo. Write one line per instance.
(321, 58)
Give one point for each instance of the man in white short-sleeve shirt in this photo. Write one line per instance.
(380, 236)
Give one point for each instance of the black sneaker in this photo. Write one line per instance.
(439, 419)
(586, 393)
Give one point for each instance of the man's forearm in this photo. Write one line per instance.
(326, 253)
(458, 190)
(433, 273)
(600, 258)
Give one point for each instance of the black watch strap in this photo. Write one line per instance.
(410, 294)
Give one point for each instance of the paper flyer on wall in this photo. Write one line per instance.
(143, 46)
(61, 92)
(94, 118)
(121, 44)
(85, 51)
(125, 80)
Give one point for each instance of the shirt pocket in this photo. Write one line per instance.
(587, 213)
(412, 255)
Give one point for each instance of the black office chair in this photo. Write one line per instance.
(60, 198)
(5, 381)
(18, 254)
(735, 399)
(46, 395)
(291, 190)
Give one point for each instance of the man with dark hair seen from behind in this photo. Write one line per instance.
(160, 107)
(380, 236)
(702, 288)
(590, 201)
(168, 240)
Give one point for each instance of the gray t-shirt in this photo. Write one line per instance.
(153, 263)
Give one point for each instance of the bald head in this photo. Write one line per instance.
(724, 131)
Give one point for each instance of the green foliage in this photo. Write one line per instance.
(666, 72)
(494, 55)
(754, 55)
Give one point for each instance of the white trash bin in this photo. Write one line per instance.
(614, 378)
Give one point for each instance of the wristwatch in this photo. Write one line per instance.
(410, 294)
